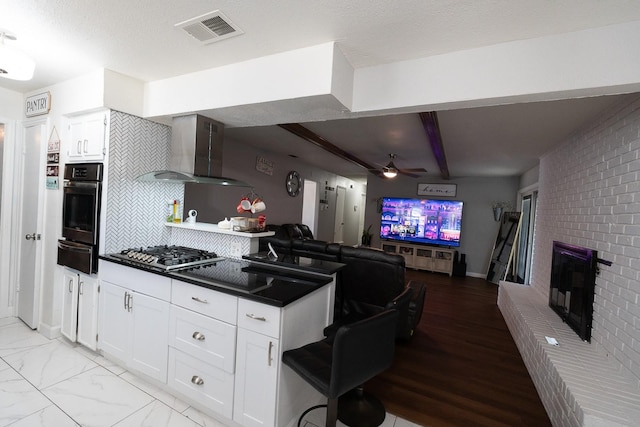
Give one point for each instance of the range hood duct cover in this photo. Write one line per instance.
(196, 153)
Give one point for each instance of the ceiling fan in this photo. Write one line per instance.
(391, 170)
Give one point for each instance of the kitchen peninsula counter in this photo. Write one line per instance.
(295, 263)
(215, 333)
(262, 283)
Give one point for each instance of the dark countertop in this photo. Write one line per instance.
(241, 278)
(293, 262)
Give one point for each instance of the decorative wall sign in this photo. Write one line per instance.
(52, 183)
(53, 145)
(37, 105)
(264, 165)
(53, 160)
(448, 190)
(53, 170)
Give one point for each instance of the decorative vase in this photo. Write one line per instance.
(497, 213)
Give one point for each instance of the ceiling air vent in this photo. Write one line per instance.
(210, 27)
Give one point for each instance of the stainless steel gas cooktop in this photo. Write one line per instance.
(168, 257)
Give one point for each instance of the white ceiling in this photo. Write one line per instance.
(68, 38)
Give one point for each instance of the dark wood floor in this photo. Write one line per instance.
(461, 368)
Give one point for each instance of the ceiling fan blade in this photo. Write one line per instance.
(407, 173)
(415, 170)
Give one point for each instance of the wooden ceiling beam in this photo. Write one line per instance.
(314, 138)
(432, 129)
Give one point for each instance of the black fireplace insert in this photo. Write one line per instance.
(573, 280)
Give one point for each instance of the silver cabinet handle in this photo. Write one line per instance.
(254, 317)
(198, 336)
(269, 358)
(126, 294)
(80, 287)
(79, 147)
(197, 380)
(86, 142)
(204, 301)
(130, 302)
(71, 286)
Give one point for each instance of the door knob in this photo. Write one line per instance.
(33, 236)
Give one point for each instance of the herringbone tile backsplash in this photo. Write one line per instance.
(136, 211)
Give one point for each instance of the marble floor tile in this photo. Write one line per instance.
(51, 416)
(404, 423)
(202, 419)
(4, 365)
(158, 393)
(48, 364)
(97, 397)
(156, 414)
(99, 359)
(18, 398)
(8, 320)
(17, 336)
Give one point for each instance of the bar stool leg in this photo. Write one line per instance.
(360, 409)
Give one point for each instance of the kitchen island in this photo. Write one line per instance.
(214, 335)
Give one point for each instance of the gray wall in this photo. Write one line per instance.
(479, 229)
(214, 203)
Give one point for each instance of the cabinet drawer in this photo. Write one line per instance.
(207, 339)
(205, 301)
(205, 384)
(136, 280)
(261, 318)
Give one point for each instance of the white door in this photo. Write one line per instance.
(31, 192)
(338, 228)
(310, 205)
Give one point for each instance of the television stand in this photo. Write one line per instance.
(421, 257)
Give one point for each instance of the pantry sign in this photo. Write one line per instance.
(37, 105)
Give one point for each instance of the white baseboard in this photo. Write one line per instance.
(51, 332)
(478, 275)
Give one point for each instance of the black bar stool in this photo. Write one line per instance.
(337, 364)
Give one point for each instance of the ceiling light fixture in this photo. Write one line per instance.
(14, 64)
(390, 171)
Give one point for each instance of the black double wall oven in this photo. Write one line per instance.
(81, 217)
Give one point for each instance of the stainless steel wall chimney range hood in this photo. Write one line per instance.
(196, 153)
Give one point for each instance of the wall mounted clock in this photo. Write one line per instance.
(293, 183)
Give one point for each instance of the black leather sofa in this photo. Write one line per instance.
(371, 281)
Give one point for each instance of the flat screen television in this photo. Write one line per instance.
(422, 221)
(573, 281)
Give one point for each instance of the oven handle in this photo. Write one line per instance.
(81, 184)
(73, 248)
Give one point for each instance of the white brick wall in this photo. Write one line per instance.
(589, 195)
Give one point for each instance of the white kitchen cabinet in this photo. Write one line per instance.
(202, 346)
(88, 137)
(133, 329)
(113, 330)
(80, 308)
(257, 365)
(134, 319)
